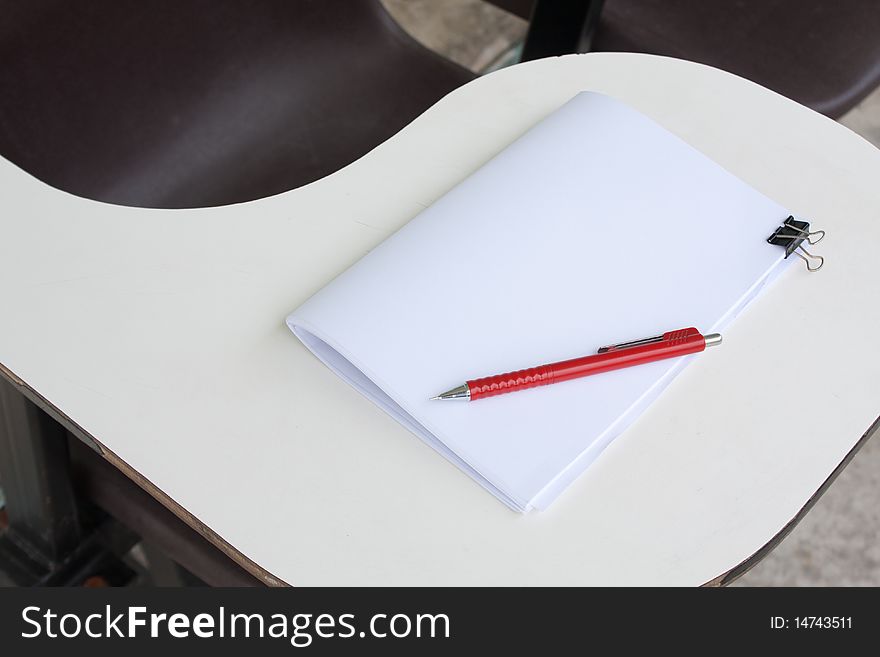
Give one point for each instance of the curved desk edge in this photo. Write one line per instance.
(159, 495)
(747, 564)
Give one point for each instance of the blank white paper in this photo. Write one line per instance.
(597, 226)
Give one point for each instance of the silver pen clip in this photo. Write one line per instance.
(627, 345)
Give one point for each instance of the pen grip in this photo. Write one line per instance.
(508, 382)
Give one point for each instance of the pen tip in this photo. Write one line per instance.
(462, 392)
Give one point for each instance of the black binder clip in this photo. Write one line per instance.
(792, 234)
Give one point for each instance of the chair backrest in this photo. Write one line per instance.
(825, 55)
(182, 103)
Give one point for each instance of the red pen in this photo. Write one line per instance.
(669, 345)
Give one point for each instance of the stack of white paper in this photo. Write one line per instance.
(596, 227)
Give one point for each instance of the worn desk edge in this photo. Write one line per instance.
(215, 539)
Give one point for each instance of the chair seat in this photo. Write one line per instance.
(204, 102)
(825, 55)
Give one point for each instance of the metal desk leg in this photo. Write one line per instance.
(51, 539)
(44, 523)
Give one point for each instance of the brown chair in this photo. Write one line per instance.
(183, 103)
(825, 55)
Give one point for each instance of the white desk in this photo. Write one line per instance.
(160, 334)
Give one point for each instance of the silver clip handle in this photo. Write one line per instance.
(634, 343)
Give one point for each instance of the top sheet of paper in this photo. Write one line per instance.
(596, 227)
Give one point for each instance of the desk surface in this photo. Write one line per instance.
(160, 335)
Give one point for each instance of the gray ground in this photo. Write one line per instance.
(837, 543)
